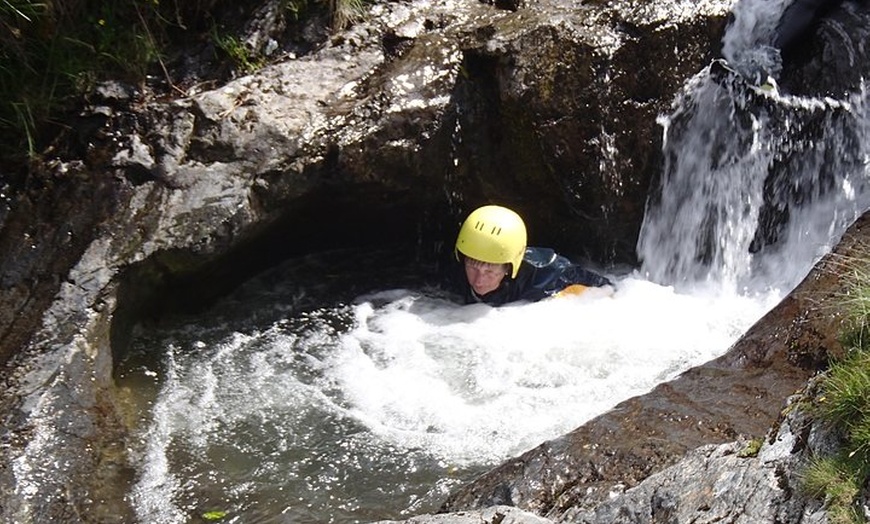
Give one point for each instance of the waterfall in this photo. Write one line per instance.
(756, 185)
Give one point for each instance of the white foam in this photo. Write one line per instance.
(476, 384)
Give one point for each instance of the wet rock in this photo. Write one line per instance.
(492, 515)
(50, 225)
(728, 482)
(830, 56)
(742, 481)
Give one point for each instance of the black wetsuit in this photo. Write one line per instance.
(543, 273)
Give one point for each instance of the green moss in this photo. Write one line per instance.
(751, 449)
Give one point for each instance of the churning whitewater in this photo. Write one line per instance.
(377, 407)
(392, 400)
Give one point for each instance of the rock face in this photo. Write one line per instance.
(725, 483)
(422, 113)
(389, 133)
(741, 481)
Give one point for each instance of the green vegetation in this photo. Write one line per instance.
(54, 52)
(845, 404)
(214, 515)
(246, 60)
(345, 12)
(835, 480)
(856, 302)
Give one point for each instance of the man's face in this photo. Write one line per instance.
(484, 277)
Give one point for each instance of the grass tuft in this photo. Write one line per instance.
(244, 59)
(845, 404)
(345, 12)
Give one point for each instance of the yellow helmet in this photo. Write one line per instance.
(493, 234)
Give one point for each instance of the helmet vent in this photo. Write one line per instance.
(496, 230)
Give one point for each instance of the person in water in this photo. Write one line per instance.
(500, 268)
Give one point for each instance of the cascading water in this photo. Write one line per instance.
(749, 198)
(756, 185)
(269, 409)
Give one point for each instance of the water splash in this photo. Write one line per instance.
(748, 42)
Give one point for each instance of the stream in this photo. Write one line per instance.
(340, 387)
(377, 407)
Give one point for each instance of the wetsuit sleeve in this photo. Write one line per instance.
(578, 275)
(544, 273)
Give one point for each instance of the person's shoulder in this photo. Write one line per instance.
(539, 256)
